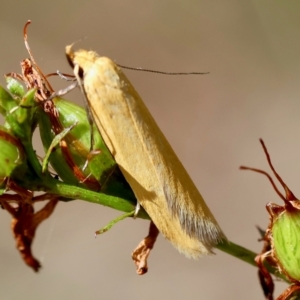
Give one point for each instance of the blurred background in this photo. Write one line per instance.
(251, 49)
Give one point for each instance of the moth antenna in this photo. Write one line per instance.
(31, 56)
(161, 72)
(288, 192)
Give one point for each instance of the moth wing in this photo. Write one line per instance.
(157, 177)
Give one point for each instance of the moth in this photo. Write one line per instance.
(157, 177)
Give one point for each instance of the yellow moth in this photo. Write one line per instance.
(146, 159)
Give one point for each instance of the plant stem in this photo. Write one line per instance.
(246, 256)
(70, 191)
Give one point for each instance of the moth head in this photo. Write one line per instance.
(83, 59)
(70, 55)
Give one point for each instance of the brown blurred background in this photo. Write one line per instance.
(252, 51)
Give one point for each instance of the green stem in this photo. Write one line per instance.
(74, 192)
(34, 162)
(238, 252)
(246, 256)
(70, 191)
(114, 222)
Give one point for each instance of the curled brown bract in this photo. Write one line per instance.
(142, 251)
(25, 220)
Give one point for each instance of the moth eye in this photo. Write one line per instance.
(80, 72)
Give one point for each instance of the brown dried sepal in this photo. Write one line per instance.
(34, 78)
(142, 251)
(265, 277)
(25, 222)
(291, 293)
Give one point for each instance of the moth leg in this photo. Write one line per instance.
(142, 251)
(136, 210)
(64, 91)
(65, 77)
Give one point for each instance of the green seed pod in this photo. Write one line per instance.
(11, 154)
(18, 113)
(285, 231)
(20, 118)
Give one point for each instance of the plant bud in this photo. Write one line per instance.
(11, 154)
(7, 102)
(286, 236)
(15, 87)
